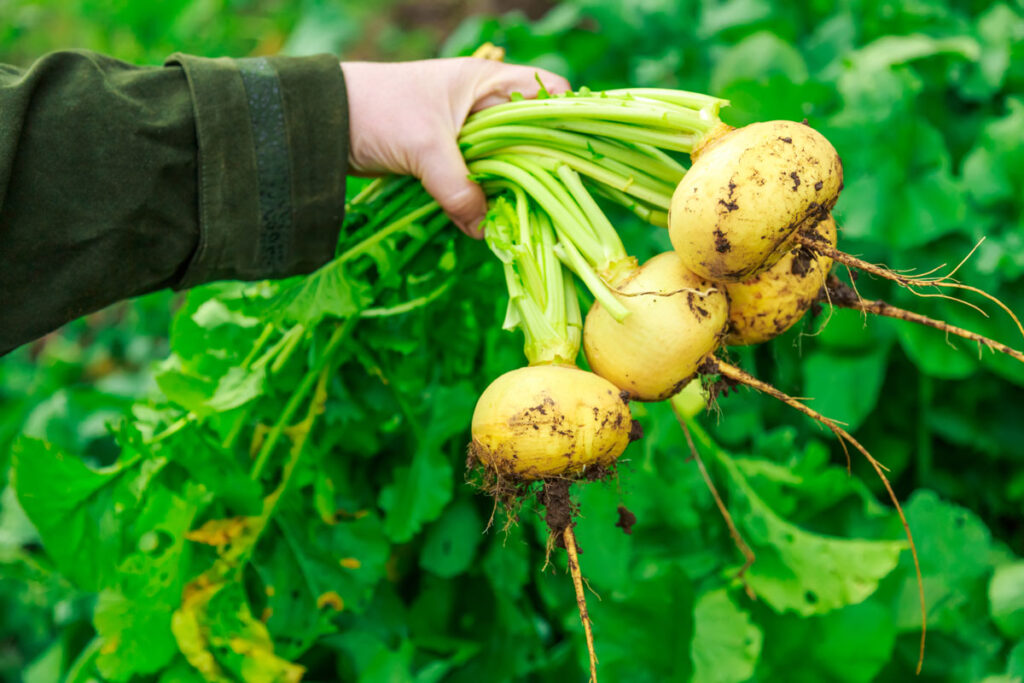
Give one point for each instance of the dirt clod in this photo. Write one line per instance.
(558, 509)
(636, 431)
(626, 520)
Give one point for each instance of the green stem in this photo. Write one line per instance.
(609, 171)
(81, 670)
(614, 250)
(649, 114)
(296, 334)
(568, 228)
(577, 264)
(647, 159)
(681, 98)
(670, 140)
(410, 305)
(258, 345)
(299, 395)
(645, 212)
(387, 231)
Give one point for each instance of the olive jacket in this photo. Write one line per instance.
(117, 180)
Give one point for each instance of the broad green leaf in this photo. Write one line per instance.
(451, 542)
(999, 28)
(506, 563)
(890, 51)
(844, 388)
(956, 554)
(312, 571)
(204, 395)
(71, 505)
(327, 293)
(852, 644)
(48, 666)
(650, 619)
(726, 643)
(801, 571)
(758, 57)
(937, 354)
(421, 490)
(994, 169)
(607, 550)
(132, 617)
(1006, 599)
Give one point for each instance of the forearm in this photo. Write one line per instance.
(117, 180)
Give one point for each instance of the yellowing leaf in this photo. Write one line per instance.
(221, 532)
(215, 618)
(332, 600)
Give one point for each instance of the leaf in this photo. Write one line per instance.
(844, 388)
(71, 506)
(506, 563)
(801, 571)
(852, 644)
(607, 551)
(311, 571)
(221, 471)
(994, 168)
(756, 58)
(726, 643)
(936, 354)
(889, 51)
(650, 619)
(451, 542)
(132, 617)
(219, 636)
(956, 555)
(421, 490)
(1006, 599)
(327, 293)
(204, 395)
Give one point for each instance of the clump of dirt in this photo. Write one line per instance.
(626, 520)
(802, 261)
(558, 509)
(720, 387)
(636, 431)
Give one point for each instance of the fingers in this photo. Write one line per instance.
(504, 79)
(445, 176)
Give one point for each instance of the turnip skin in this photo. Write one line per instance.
(771, 302)
(676, 319)
(734, 211)
(545, 421)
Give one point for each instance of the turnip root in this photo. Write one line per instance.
(735, 212)
(837, 293)
(676, 319)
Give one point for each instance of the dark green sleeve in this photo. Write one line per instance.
(117, 180)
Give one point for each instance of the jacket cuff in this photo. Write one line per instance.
(273, 154)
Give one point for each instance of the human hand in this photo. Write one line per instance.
(405, 118)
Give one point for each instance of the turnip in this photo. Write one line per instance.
(771, 302)
(546, 421)
(676, 319)
(736, 210)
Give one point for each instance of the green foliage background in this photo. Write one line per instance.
(925, 102)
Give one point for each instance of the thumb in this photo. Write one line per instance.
(446, 178)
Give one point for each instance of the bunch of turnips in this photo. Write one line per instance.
(753, 241)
